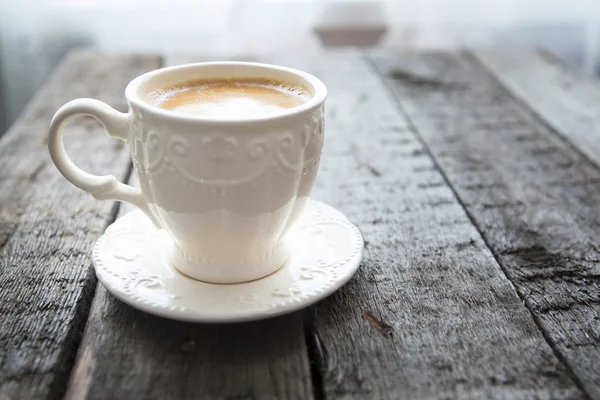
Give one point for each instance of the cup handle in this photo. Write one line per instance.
(105, 187)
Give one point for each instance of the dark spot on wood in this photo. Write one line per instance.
(426, 82)
(550, 372)
(36, 171)
(440, 202)
(455, 222)
(535, 249)
(502, 380)
(443, 365)
(526, 138)
(382, 327)
(452, 139)
(463, 245)
(484, 186)
(495, 206)
(374, 171)
(431, 185)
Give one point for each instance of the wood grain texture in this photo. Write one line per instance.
(429, 315)
(47, 226)
(554, 91)
(128, 354)
(534, 198)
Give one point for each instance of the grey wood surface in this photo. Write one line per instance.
(127, 354)
(47, 227)
(479, 277)
(430, 313)
(531, 195)
(553, 90)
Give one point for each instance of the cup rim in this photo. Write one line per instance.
(319, 96)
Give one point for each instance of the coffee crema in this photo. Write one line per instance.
(233, 98)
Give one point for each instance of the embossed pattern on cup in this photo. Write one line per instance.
(233, 187)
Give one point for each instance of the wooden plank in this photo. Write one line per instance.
(532, 196)
(554, 91)
(127, 354)
(47, 226)
(429, 313)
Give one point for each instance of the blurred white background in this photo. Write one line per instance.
(34, 35)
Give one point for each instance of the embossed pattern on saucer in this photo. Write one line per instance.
(130, 262)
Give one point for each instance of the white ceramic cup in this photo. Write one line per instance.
(225, 190)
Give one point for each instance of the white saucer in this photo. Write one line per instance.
(130, 262)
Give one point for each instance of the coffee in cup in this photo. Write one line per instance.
(229, 98)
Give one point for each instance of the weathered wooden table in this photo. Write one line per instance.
(473, 177)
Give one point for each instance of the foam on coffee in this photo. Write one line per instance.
(229, 98)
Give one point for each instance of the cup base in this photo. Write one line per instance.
(203, 270)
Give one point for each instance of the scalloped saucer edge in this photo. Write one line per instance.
(129, 259)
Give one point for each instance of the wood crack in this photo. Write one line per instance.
(318, 360)
(362, 164)
(383, 327)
